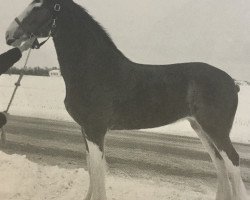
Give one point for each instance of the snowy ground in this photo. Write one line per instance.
(24, 180)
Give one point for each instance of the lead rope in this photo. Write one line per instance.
(17, 84)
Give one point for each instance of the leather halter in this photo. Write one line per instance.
(36, 44)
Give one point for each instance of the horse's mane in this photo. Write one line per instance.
(88, 22)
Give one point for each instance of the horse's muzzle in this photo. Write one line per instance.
(10, 41)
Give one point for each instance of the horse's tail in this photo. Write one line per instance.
(237, 86)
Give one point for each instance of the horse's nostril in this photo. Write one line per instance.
(10, 41)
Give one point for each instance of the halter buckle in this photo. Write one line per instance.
(53, 23)
(57, 7)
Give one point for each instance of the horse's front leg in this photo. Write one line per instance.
(89, 193)
(96, 163)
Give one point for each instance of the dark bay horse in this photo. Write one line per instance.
(107, 91)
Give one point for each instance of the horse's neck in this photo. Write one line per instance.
(80, 42)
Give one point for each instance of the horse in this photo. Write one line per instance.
(107, 91)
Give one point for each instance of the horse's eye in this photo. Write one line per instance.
(36, 8)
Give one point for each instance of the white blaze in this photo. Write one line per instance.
(11, 32)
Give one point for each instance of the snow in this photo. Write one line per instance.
(43, 97)
(37, 97)
(22, 179)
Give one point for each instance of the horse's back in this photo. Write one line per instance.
(164, 94)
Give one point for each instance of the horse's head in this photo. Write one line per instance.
(37, 20)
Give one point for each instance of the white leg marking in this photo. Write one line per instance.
(96, 165)
(27, 11)
(224, 190)
(239, 190)
(90, 190)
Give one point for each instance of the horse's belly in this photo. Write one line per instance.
(147, 115)
(141, 123)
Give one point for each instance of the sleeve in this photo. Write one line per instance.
(8, 59)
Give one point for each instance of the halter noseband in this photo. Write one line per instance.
(36, 44)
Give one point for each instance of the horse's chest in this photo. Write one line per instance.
(86, 104)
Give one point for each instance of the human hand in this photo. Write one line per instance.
(27, 44)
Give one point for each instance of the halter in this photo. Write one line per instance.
(36, 44)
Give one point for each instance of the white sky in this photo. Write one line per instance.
(163, 31)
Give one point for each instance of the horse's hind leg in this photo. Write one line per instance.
(96, 165)
(213, 105)
(226, 159)
(224, 190)
(231, 159)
